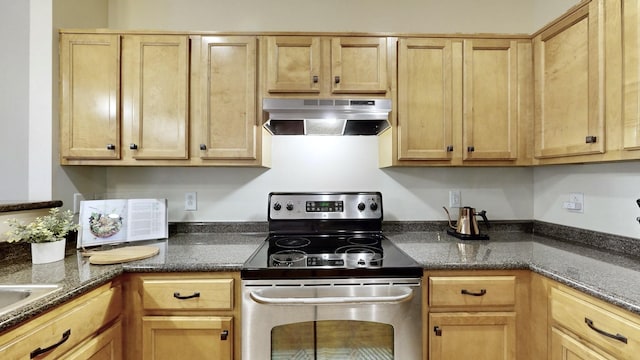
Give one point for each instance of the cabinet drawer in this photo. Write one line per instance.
(67, 330)
(187, 294)
(472, 291)
(596, 324)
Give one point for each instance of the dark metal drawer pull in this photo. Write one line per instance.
(591, 139)
(224, 334)
(178, 296)
(39, 351)
(466, 292)
(618, 337)
(437, 330)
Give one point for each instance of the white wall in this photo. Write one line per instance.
(327, 163)
(610, 193)
(14, 99)
(406, 16)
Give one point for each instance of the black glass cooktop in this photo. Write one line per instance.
(335, 256)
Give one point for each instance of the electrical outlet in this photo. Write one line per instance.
(454, 199)
(190, 201)
(77, 197)
(575, 203)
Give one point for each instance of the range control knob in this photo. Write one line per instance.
(373, 206)
(289, 206)
(277, 206)
(361, 206)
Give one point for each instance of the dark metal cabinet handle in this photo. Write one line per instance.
(133, 147)
(224, 334)
(591, 139)
(203, 147)
(618, 337)
(39, 351)
(471, 149)
(450, 148)
(315, 79)
(111, 147)
(337, 79)
(467, 292)
(437, 330)
(184, 297)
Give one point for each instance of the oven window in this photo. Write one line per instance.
(332, 339)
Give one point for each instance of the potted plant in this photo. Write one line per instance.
(46, 235)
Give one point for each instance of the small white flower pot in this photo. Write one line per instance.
(47, 252)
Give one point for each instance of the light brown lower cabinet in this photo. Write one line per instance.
(106, 345)
(182, 316)
(478, 336)
(564, 347)
(598, 327)
(187, 337)
(480, 315)
(82, 328)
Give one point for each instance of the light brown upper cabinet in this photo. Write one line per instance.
(425, 96)
(89, 74)
(224, 98)
(461, 102)
(123, 98)
(490, 100)
(569, 85)
(155, 90)
(317, 65)
(631, 51)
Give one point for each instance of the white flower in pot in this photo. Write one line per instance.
(46, 235)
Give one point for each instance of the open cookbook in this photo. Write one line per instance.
(122, 220)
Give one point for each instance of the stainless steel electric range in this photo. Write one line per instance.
(326, 268)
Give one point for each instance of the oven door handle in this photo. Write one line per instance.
(405, 295)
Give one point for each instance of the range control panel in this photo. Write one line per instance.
(311, 206)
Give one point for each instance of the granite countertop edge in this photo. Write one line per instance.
(73, 287)
(11, 206)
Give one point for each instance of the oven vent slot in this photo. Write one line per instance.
(376, 284)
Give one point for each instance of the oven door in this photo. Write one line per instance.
(332, 319)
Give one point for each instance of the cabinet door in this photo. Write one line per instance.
(565, 347)
(107, 345)
(478, 336)
(631, 51)
(187, 337)
(359, 65)
(293, 64)
(490, 100)
(155, 79)
(425, 95)
(569, 85)
(90, 96)
(227, 96)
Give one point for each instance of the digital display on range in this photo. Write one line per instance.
(325, 206)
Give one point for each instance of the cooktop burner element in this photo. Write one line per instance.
(327, 235)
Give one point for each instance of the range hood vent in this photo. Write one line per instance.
(327, 116)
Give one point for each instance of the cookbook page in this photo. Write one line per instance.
(122, 220)
(147, 219)
(102, 222)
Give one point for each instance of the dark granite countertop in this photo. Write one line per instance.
(603, 274)
(17, 205)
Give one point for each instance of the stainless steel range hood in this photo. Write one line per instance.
(327, 116)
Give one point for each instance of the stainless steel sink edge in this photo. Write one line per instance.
(16, 296)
